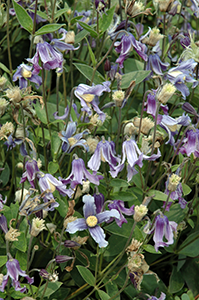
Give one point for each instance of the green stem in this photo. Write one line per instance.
(28, 254)
(119, 128)
(44, 97)
(8, 38)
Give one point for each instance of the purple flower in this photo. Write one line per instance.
(2, 202)
(162, 297)
(60, 44)
(119, 206)
(105, 151)
(70, 140)
(126, 44)
(99, 202)
(31, 172)
(191, 143)
(50, 57)
(62, 258)
(155, 64)
(134, 156)
(163, 229)
(151, 105)
(88, 96)
(13, 271)
(79, 174)
(3, 223)
(24, 73)
(181, 74)
(92, 220)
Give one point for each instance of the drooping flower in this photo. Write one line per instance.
(24, 73)
(79, 174)
(176, 194)
(163, 229)
(92, 220)
(134, 156)
(162, 297)
(119, 206)
(190, 143)
(31, 172)
(71, 140)
(14, 271)
(61, 44)
(156, 66)
(125, 46)
(88, 96)
(105, 151)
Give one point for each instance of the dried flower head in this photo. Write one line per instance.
(165, 93)
(118, 97)
(140, 211)
(153, 38)
(3, 81)
(134, 8)
(18, 195)
(146, 125)
(1, 278)
(174, 180)
(14, 94)
(6, 130)
(53, 277)
(37, 226)
(92, 144)
(51, 227)
(12, 233)
(70, 37)
(163, 5)
(133, 247)
(130, 129)
(80, 240)
(3, 105)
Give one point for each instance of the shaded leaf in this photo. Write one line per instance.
(176, 281)
(103, 295)
(86, 275)
(87, 71)
(3, 260)
(48, 29)
(51, 288)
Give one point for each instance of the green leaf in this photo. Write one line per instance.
(176, 213)
(42, 15)
(62, 208)
(88, 28)
(87, 71)
(48, 28)
(149, 248)
(190, 273)
(80, 36)
(5, 175)
(55, 144)
(190, 246)
(186, 189)
(103, 295)
(158, 195)
(41, 113)
(21, 244)
(60, 12)
(124, 231)
(124, 196)
(3, 260)
(91, 53)
(53, 167)
(4, 68)
(118, 183)
(106, 19)
(86, 275)
(52, 287)
(111, 289)
(138, 76)
(185, 297)
(115, 245)
(176, 281)
(75, 20)
(23, 17)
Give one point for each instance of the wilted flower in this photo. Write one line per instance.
(14, 94)
(146, 125)
(92, 144)
(153, 38)
(163, 229)
(105, 151)
(79, 174)
(92, 220)
(174, 181)
(32, 169)
(3, 105)
(12, 234)
(135, 8)
(6, 130)
(3, 81)
(24, 73)
(140, 211)
(13, 271)
(165, 93)
(71, 140)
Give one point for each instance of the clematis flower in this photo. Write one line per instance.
(2, 202)
(88, 96)
(61, 44)
(70, 140)
(163, 229)
(162, 297)
(119, 206)
(181, 74)
(156, 66)
(105, 151)
(32, 169)
(191, 143)
(151, 105)
(3, 223)
(24, 73)
(79, 174)
(126, 44)
(92, 220)
(134, 156)
(176, 195)
(13, 271)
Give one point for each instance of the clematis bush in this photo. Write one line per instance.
(99, 150)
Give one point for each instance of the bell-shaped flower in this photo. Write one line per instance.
(88, 96)
(61, 44)
(13, 272)
(156, 66)
(32, 169)
(92, 220)
(163, 230)
(119, 206)
(105, 151)
(151, 104)
(191, 143)
(79, 174)
(71, 140)
(25, 73)
(134, 156)
(126, 45)
(181, 74)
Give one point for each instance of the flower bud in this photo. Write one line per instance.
(107, 65)
(71, 244)
(62, 258)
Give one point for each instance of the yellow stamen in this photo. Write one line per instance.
(91, 221)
